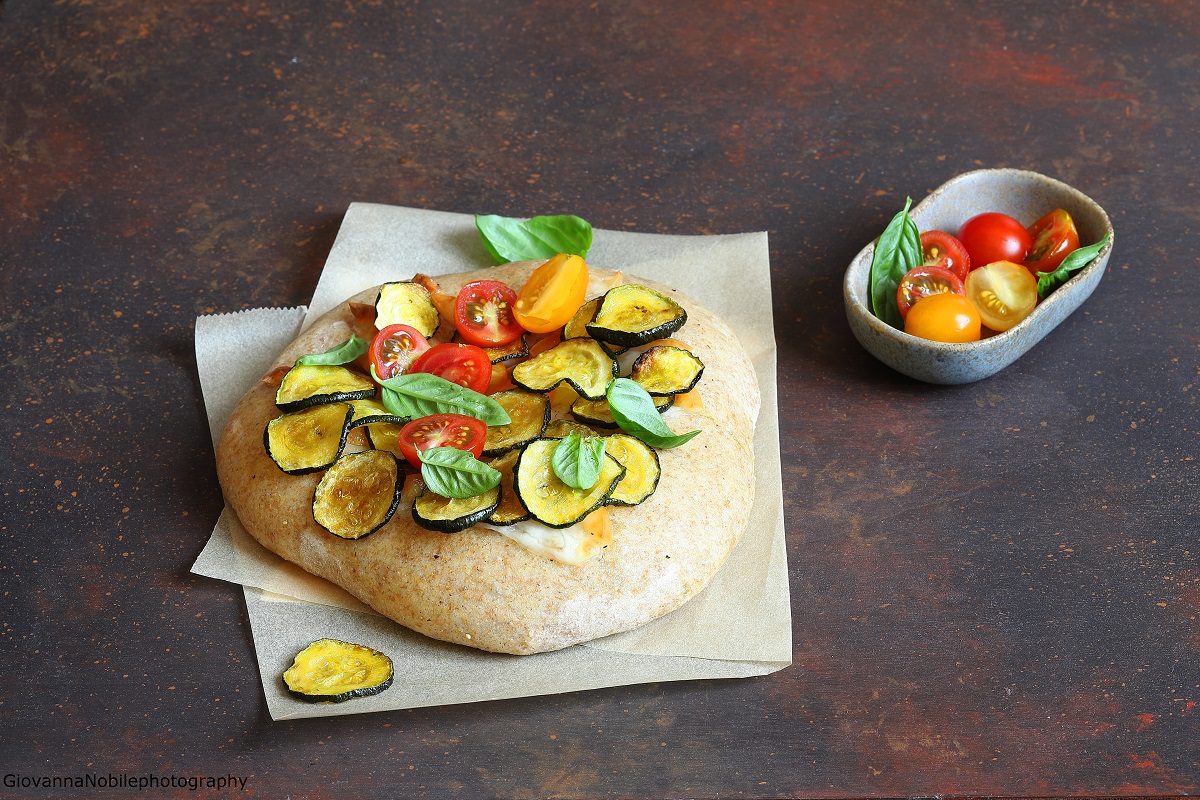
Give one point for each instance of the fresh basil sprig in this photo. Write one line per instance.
(508, 239)
(420, 394)
(344, 353)
(897, 251)
(456, 473)
(1077, 260)
(576, 460)
(633, 409)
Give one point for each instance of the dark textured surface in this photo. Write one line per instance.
(996, 588)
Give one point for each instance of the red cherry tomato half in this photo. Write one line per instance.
(441, 430)
(943, 250)
(992, 237)
(921, 282)
(1054, 238)
(483, 314)
(395, 348)
(464, 364)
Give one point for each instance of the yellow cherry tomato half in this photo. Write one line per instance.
(1003, 292)
(552, 295)
(945, 317)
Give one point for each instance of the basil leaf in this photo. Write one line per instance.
(456, 473)
(344, 353)
(420, 394)
(576, 460)
(897, 251)
(633, 409)
(1077, 260)
(508, 239)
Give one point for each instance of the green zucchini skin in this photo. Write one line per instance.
(323, 511)
(529, 412)
(305, 386)
(275, 447)
(581, 363)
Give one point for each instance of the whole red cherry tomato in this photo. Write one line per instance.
(992, 236)
(464, 364)
(940, 249)
(1054, 238)
(923, 281)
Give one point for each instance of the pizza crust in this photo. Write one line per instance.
(477, 587)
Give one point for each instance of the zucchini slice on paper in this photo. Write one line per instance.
(582, 363)
(406, 303)
(451, 515)
(667, 370)
(333, 671)
(358, 494)
(630, 315)
(642, 469)
(597, 412)
(511, 510)
(310, 440)
(304, 386)
(529, 412)
(551, 501)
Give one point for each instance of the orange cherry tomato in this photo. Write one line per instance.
(552, 295)
(1003, 292)
(945, 317)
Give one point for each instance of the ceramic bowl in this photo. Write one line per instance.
(1020, 194)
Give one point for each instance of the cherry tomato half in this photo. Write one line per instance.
(994, 237)
(553, 293)
(1003, 292)
(1054, 238)
(943, 250)
(464, 364)
(395, 348)
(483, 314)
(441, 430)
(921, 282)
(943, 318)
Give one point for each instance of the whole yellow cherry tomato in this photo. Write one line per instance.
(1003, 292)
(552, 295)
(944, 317)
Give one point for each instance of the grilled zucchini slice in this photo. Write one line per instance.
(310, 440)
(372, 412)
(528, 411)
(551, 501)
(664, 369)
(358, 494)
(333, 671)
(576, 327)
(642, 469)
(406, 303)
(510, 510)
(582, 363)
(562, 428)
(630, 315)
(597, 412)
(304, 386)
(450, 514)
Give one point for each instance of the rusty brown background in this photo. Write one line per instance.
(995, 587)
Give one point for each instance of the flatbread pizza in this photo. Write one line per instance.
(317, 472)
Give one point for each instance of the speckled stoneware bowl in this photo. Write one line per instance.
(1020, 194)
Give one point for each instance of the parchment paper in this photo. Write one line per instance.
(739, 626)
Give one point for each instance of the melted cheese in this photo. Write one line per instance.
(575, 544)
